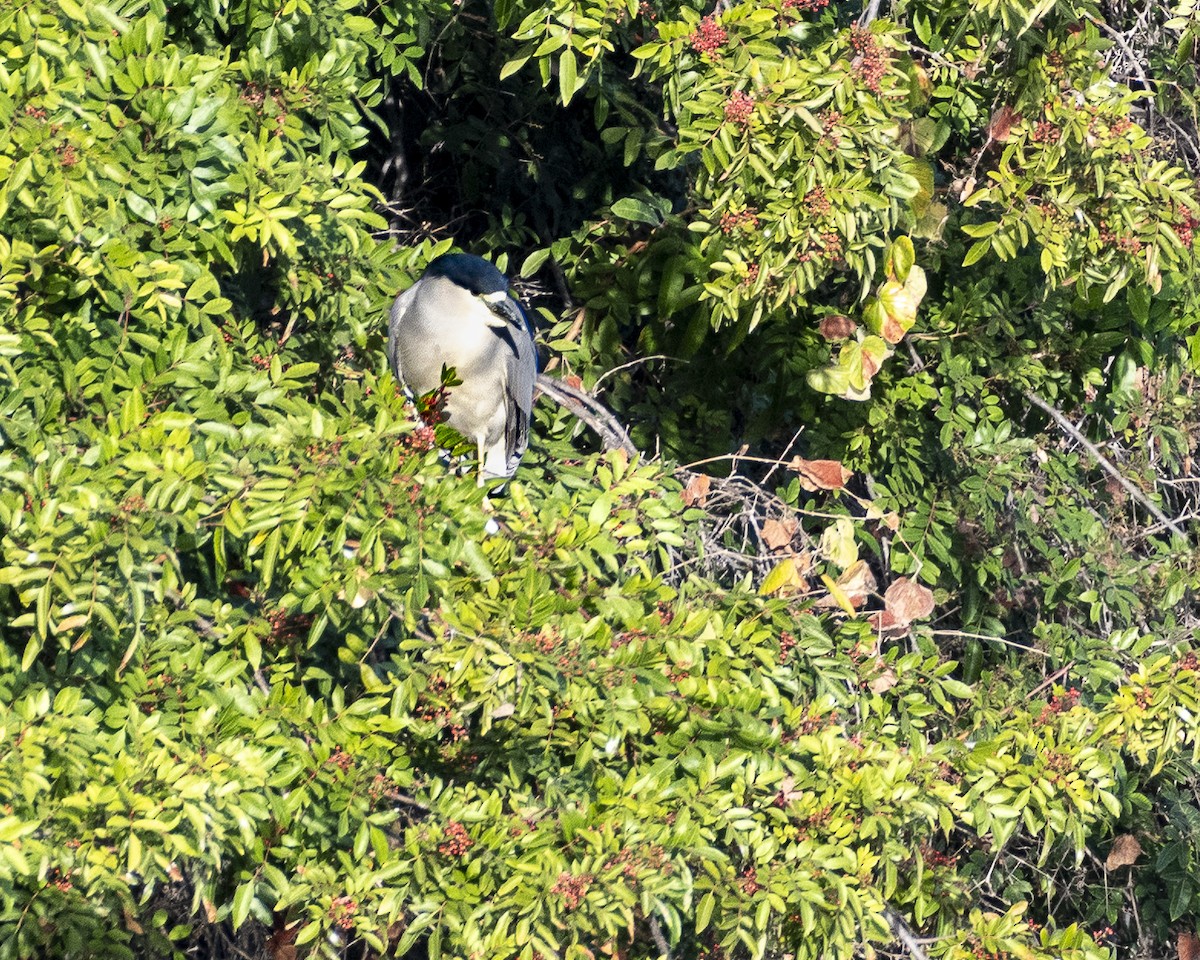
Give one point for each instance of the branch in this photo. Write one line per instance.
(904, 933)
(588, 409)
(1073, 431)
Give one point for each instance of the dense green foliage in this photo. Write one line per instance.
(268, 683)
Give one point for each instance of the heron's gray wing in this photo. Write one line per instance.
(521, 374)
(400, 308)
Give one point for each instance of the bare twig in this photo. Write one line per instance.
(904, 933)
(1107, 465)
(632, 363)
(664, 948)
(869, 14)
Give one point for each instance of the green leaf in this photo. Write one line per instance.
(630, 208)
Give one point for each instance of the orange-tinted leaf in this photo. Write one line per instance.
(820, 474)
(1189, 945)
(837, 327)
(696, 491)
(777, 534)
(908, 600)
(1125, 851)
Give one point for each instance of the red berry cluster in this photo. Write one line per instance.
(431, 408)
(1144, 698)
(752, 271)
(1045, 132)
(36, 112)
(935, 858)
(1187, 662)
(647, 11)
(67, 155)
(342, 911)
(457, 841)
(817, 202)
(739, 108)
(1120, 127)
(804, 6)
(710, 37)
(1058, 705)
(870, 63)
(735, 220)
(572, 888)
(260, 361)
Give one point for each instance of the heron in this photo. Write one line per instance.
(460, 315)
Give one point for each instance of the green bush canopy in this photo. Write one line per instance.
(912, 672)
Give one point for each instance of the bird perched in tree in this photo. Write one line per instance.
(460, 315)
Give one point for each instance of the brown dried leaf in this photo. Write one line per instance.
(892, 332)
(787, 791)
(885, 681)
(907, 601)
(837, 327)
(1125, 851)
(1002, 123)
(857, 583)
(885, 624)
(1188, 945)
(696, 491)
(892, 521)
(820, 474)
(131, 923)
(777, 534)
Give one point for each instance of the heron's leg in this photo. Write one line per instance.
(479, 469)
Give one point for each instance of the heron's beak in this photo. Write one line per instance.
(504, 311)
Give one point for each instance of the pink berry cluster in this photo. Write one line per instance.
(1057, 705)
(457, 841)
(735, 220)
(870, 61)
(829, 121)
(1045, 132)
(739, 108)
(828, 246)
(709, 37)
(817, 203)
(572, 888)
(1186, 227)
(805, 6)
(1126, 243)
(752, 272)
(342, 911)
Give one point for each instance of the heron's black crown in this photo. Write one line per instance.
(469, 272)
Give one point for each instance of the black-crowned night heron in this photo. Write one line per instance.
(460, 315)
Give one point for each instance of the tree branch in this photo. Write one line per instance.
(588, 409)
(1107, 465)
